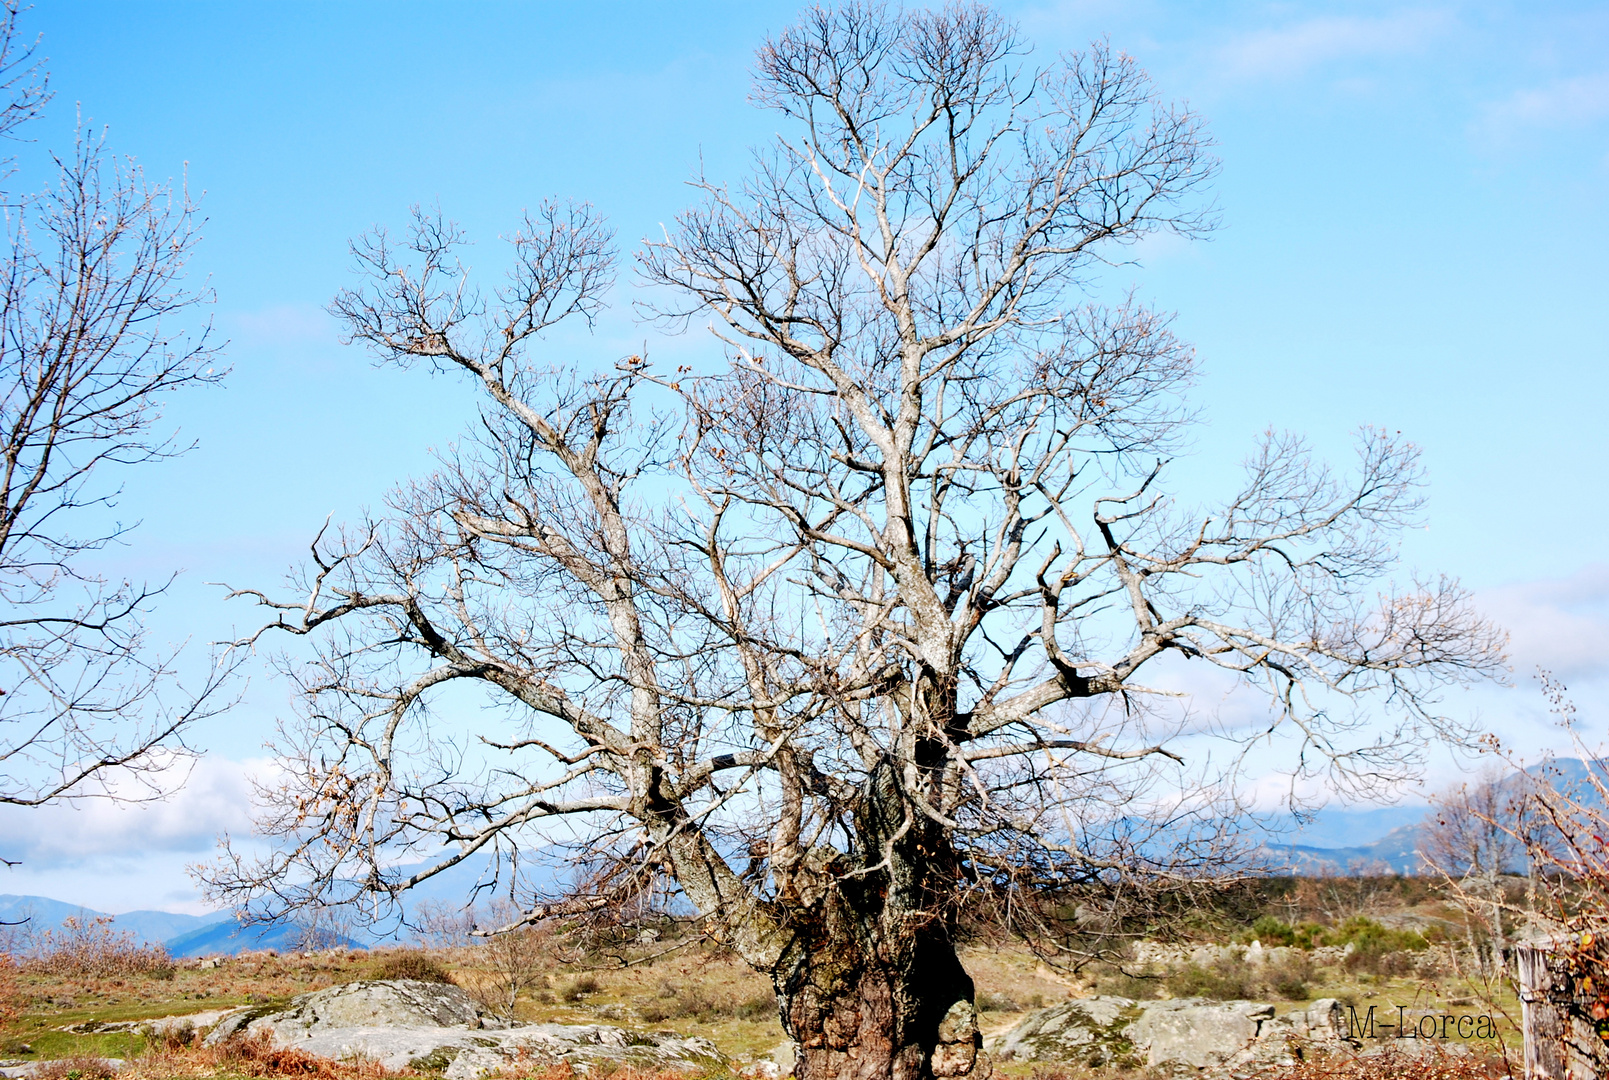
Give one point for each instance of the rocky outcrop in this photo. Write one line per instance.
(463, 1054)
(1193, 1032)
(1088, 1031)
(377, 1003)
(1162, 956)
(437, 1027)
(1189, 1032)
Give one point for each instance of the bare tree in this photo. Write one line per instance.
(510, 964)
(1553, 816)
(90, 287)
(441, 925)
(1475, 842)
(865, 632)
(323, 928)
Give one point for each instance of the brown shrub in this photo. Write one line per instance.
(564, 1071)
(90, 948)
(10, 995)
(413, 964)
(77, 1067)
(250, 1057)
(173, 1036)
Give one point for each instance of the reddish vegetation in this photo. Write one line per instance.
(1386, 1066)
(1433, 1066)
(260, 1058)
(91, 948)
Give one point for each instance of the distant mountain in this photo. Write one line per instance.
(1397, 852)
(148, 927)
(228, 938)
(165, 925)
(183, 935)
(38, 912)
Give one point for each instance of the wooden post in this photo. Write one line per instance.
(1561, 1041)
(1541, 1015)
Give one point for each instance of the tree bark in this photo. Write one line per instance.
(870, 985)
(867, 1009)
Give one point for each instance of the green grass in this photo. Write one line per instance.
(47, 1045)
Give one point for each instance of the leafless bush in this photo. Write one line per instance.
(444, 926)
(1557, 815)
(324, 927)
(90, 947)
(415, 964)
(580, 987)
(1473, 842)
(514, 962)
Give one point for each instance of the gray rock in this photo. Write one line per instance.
(1194, 1032)
(152, 1027)
(464, 1054)
(1322, 1025)
(1086, 1030)
(13, 1070)
(378, 1004)
(1190, 1032)
(437, 1027)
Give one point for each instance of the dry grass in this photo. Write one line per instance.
(684, 985)
(564, 1072)
(1432, 1065)
(258, 1058)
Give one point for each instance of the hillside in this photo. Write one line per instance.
(148, 927)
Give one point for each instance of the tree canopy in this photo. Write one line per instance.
(858, 619)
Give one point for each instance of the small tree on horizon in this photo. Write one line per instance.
(1475, 840)
(832, 635)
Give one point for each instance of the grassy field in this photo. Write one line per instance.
(694, 987)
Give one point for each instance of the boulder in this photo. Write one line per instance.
(461, 1054)
(1196, 1032)
(437, 1027)
(1086, 1031)
(1189, 1032)
(375, 1003)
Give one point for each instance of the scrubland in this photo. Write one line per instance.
(1386, 942)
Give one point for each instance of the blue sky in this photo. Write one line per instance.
(1414, 236)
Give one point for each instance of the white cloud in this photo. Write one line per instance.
(1274, 791)
(137, 881)
(1560, 624)
(1292, 50)
(1564, 103)
(215, 799)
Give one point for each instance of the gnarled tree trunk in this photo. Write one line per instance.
(869, 984)
(864, 1004)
